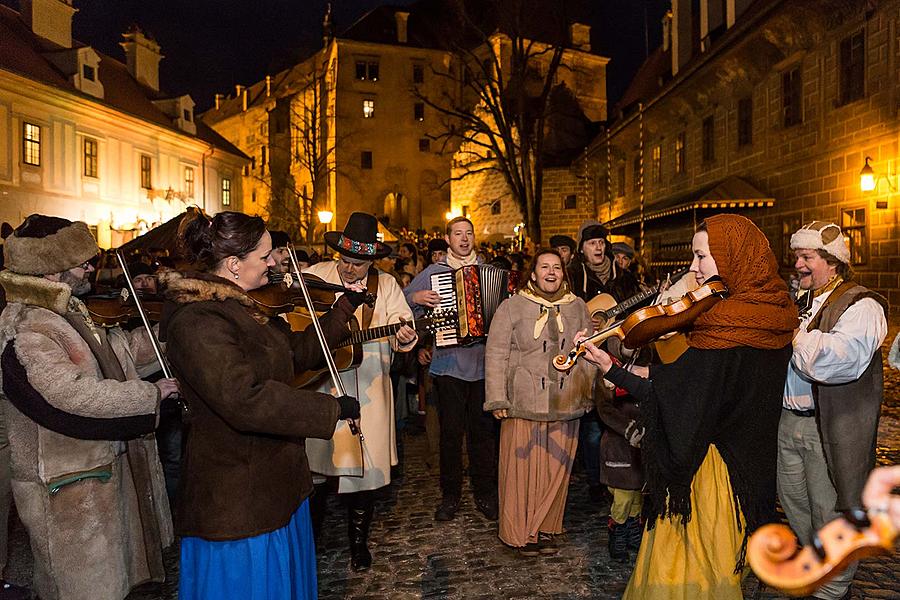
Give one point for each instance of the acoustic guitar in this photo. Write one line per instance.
(604, 309)
(349, 353)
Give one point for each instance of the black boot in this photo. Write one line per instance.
(360, 507)
(635, 528)
(318, 507)
(618, 541)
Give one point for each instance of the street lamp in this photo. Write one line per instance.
(325, 217)
(867, 177)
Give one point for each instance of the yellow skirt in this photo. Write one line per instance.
(696, 561)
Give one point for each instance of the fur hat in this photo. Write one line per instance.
(623, 248)
(591, 231)
(822, 235)
(44, 245)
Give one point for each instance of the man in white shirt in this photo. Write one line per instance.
(833, 392)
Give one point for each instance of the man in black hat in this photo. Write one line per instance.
(358, 247)
(86, 478)
(280, 243)
(437, 251)
(565, 246)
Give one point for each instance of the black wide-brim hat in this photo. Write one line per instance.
(359, 239)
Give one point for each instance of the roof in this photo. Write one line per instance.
(23, 53)
(732, 192)
(297, 76)
(653, 73)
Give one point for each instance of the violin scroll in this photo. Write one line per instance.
(564, 362)
(780, 562)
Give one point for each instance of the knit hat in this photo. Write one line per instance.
(438, 245)
(44, 245)
(562, 240)
(279, 239)
(591, 230)
(822, 235)
(140, 268)
(623, 248)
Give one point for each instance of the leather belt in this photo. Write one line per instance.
(810, 412)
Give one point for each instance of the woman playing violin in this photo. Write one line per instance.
(711, 421)
(242, 498)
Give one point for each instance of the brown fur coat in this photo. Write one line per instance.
(89, 537)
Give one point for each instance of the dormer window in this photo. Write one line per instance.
(188, 116)
(89, 72)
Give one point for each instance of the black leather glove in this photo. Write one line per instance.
(349, 407)
(357, 299)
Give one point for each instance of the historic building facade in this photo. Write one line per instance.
(771, 111)
(87, 137)
(343, 131)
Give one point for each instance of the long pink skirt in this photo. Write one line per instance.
(535, 465)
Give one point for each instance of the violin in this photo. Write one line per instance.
(778, 561)
(110, 310)
(278, 298)
(645, 325)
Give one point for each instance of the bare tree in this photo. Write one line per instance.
(302, 147)
(499, 106)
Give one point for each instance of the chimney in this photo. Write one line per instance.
(682, 34)
(268, 85)
(142, 57)
(580, 36)
(218, 100)
(50, 19)
(667, 31)
(401, 17)
(244, 99)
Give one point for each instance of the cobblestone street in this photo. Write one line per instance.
(415, 557)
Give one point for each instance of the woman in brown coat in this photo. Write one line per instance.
(242, 502)
(539, 406)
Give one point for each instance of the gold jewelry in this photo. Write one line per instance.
(832, 283)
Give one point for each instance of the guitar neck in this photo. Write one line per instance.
(625, 305)
(374, 333)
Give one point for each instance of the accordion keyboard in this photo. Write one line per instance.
(442, 283)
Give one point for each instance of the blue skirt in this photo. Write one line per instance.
(280, 565)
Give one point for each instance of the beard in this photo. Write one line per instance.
(80, 286)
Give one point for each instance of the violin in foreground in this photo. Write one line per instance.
(645, 325)
(780, 562)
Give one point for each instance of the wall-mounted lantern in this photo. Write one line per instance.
(868, 181)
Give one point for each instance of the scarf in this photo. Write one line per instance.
(758, 311)
(547, 302)
(603, 271)
(455, 262)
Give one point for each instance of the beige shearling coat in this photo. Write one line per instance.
(519, 375)
(91, 538)
(370, 383)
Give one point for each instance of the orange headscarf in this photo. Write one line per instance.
(758, 311)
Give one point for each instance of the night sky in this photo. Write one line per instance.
(211, 45)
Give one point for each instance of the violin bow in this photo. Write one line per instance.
(778, 561)
(167, 371)
(329, 359)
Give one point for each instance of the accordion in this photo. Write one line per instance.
(473, 293)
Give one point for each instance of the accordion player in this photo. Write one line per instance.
(474, 292)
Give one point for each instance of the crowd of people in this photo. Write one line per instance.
(115, 437)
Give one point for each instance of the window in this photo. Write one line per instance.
(465, 210)
(570, 202)
(656, 160)
(419, 111)
(189, 182)
(263, 158)
(31, 147)
(424, 145)
(636, 173)
(789, 225)
(365, 159)
(368, 108)
(681, 153)
(745, 122)
(620, 184)
(146, 173)
(791, 97)
(418, 74)
(853, 224)
(709, 139)
(226, 191)
(495, 207)
(367, 70)
(90, 157)
(187, 115)
(853, 67)
(88, 72)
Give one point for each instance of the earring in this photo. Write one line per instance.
(236, 275)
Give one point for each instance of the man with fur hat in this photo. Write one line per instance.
(358, 247)
(833, 392)
(85, 475)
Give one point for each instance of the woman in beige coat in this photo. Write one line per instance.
(538, 405)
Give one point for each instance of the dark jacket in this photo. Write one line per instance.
(245, 467)
(848, 413)
(620, 462)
